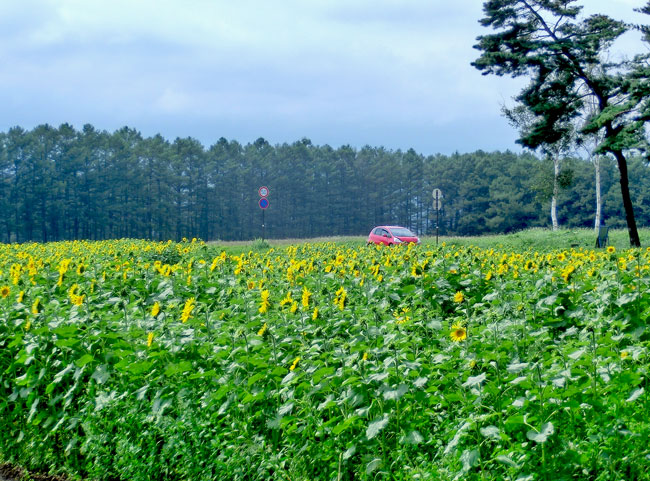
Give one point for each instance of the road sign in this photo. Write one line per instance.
(437, 199)
(264, 203)
(264, 191)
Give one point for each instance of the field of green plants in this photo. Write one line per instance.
(134, 360)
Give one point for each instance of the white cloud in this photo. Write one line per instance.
(353, 71)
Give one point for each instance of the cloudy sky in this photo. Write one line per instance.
(392, 73)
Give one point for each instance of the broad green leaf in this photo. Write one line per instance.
(506, 460)
(349, 452)
(376, 426)
(176, 368)
(101, 374)
(469, 459)
(83, 360)
(627, 298)
(543, 435)
(475, 380)
(395, 394)
(413, 437)
(373, 465)
(635, 395)
(491, 432)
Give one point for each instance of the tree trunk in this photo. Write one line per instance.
(556, 173)
(596, 162)
(627, 201)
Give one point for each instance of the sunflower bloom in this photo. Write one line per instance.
(264, 305)
(341, 296)
(314, 315)
(287, 299)
(458, 332)
(459, 297)
(611, 249)
(150, 339)
(155, 310)
(4, 291)
(36, 306)
(295, 363)
(566, 272)
(187, 309)
(21, 296)
(305, 297)
(263, 329)
(15, 273)
(77, 300)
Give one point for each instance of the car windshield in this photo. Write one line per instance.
(402, 232)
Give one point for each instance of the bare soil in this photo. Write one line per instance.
(9, 472)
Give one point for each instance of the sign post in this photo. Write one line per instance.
(263, 203)
(437, 205)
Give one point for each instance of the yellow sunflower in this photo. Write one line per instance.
(458, 332)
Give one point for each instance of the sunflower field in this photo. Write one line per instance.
(135, 360)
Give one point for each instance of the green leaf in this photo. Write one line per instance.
(66, 331)
(469, 459)
(101, 374)
(543, 435)
(506, 460)
(627, 298)
(475, 380)
(376, 426)
(83, 360)
(414, 437)
(322, 372)
(176, 368)
(138, 368)
(491, 432)
(349, 452)
(515, 419)
(635, 395)
(373, 465)
(254, 379)
(395, 394)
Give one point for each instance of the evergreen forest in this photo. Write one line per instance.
(62, 183)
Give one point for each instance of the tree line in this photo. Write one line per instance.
(62, 183)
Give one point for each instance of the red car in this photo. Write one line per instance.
(392, 235)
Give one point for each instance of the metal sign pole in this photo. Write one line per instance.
(437, 215)
(264, 204)
(437, 205)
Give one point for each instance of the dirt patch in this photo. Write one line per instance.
(9, 472)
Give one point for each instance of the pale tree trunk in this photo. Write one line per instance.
(556, 173)
(596, 162)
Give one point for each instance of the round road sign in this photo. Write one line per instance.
(264, 203)
(437, 194)
(264, 191)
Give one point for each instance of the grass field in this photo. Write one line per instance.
(533, 239)
(516, 357)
